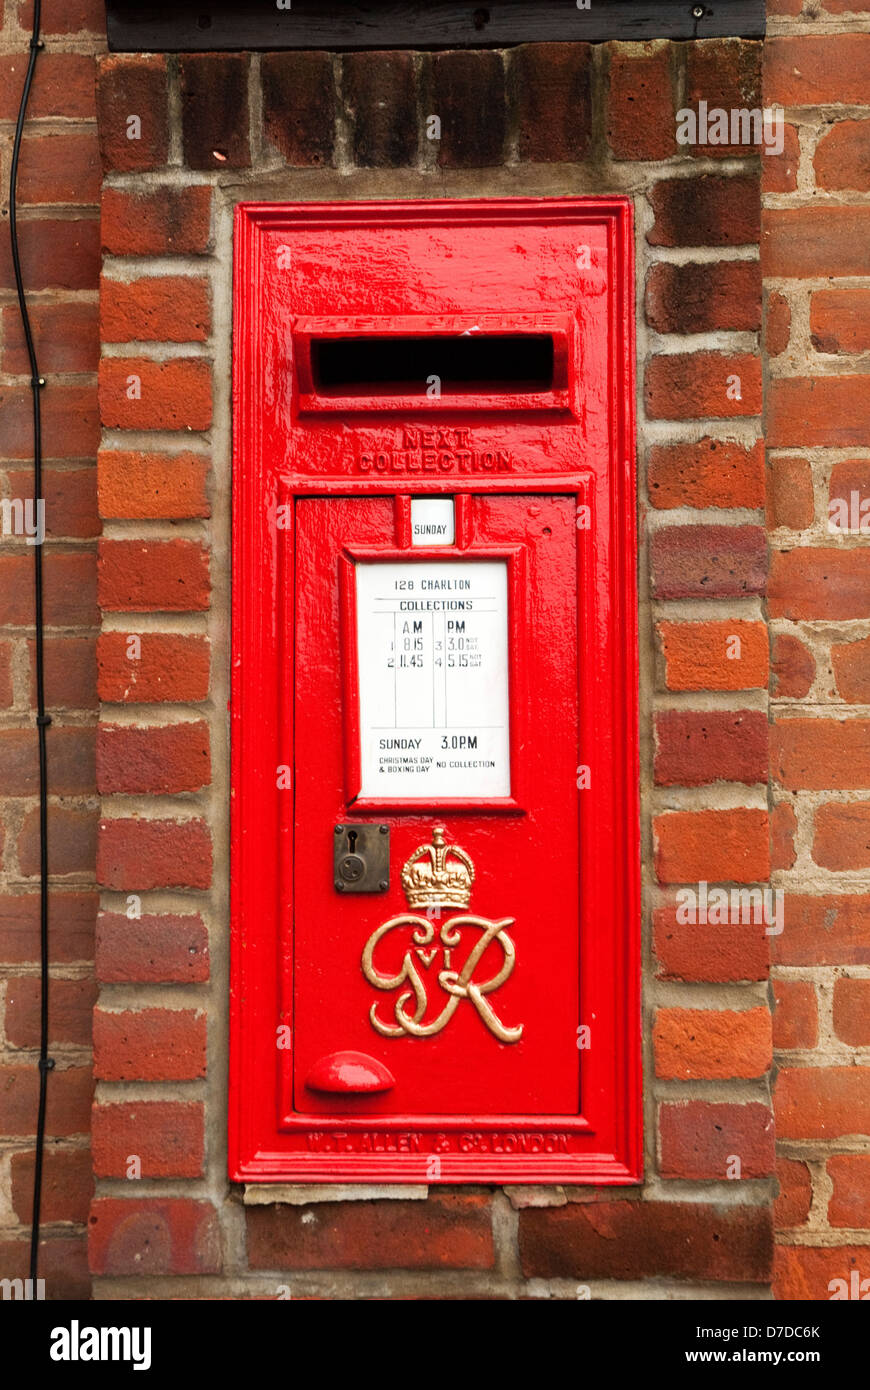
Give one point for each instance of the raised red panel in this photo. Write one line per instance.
(472, 1015)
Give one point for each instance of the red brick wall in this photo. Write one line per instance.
(816, 262)
(554, 119)
(58, 199)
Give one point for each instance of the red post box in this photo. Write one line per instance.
(435, 955)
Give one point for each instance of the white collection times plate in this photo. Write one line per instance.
(433, 679)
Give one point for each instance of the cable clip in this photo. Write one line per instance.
(37, 381)
(37, 43)
(46, 1064)
(43, 721)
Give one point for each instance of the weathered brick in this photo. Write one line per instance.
(153, 1235)
(711, 210)
(155, 486)
(726, 73)
(711, 1044)
(850, 1199)
(63, 85)
(143, 854)
(60, 169)
(468, 94)
(162, 222)
(822, 1102)
(151, 949)
(817, 71)
(70, 597)
(709, 473)
(70, 672)
(822, 929)
(852, 1011)
(701, 297)
(840, 320)
(72, 834)
(779, 171)
(68, 1103)
(841, 838)
(299, 106)
(642, 1240)
(792, 1205)
(70, 496)
(701, 1140)
(694, 747)
(380, 93)
(708, 561)
(842, 158)
(6, 692)
(67, 1185)
(851, 665)
(137, 393)
(132, 104)
(149, 1045)
(149, 576)
(806, 1272)
(171, 667)
(790, 499)
(777, 323)
(795, 1016)
(65, 16)
(641, 114)
(156, 308)
(698, 385)
(168, 1138)
(793, 667)
(72, 927)
(819, 754)
(214, 110)
(159, 759)
(66, 335)
(783, 828)
(69, 1017)
(724, 655)
(551, 87)
(819, 582)
(56, 254)
(449, 1231)
(816, 241)
(833, 411)
(716, 846)
(70, 422)
(708, 951)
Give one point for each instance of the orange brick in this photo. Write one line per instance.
(822, 1102)
(139, 394)
(850, 1199)
(840, 320)
(841, 837)
(153, 486)
(713, 846)
(156, 308)
(711, 473)
(795, 1018)
(711, 1044)
(852, 1011)
(699, 385)
(790, 499)
(725, 655)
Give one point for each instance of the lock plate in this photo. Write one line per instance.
(361, 858)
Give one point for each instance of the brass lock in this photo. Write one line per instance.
(361, 858)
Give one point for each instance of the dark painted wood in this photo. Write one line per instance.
(197, 25)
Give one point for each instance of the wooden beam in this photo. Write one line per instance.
(240, 25)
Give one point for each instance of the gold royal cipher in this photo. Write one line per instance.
(437, 876)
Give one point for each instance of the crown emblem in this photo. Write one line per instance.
(438, 875)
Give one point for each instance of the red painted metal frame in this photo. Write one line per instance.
(605, 1143)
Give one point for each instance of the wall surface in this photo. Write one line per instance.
(181, 140)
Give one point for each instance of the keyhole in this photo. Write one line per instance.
(351, 840)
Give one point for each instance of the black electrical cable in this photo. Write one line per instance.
(43, 720)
